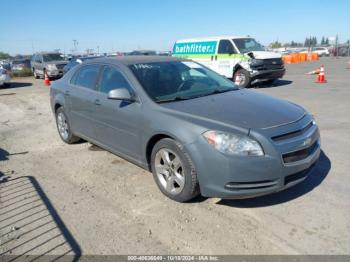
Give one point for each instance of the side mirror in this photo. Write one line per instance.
(121, 94)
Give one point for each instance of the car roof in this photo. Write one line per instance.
(130, 60)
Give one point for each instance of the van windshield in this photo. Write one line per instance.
(52, 57)
(246, 45)
(179, 80)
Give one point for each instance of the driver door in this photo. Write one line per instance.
(117, 122)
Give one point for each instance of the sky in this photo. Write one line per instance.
(125, 25)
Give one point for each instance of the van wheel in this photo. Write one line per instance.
(173, 171)
(241, 78)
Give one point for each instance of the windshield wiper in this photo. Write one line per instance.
(215, 91)
(177, 98)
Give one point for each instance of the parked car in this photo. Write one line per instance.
(5, 78)
(5, 64)
(192, 128)
(143, 52)
(76, 61)
(20, 64)
(51, 63)
(321, 51)
(239, 58)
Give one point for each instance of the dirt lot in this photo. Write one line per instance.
(76, 199)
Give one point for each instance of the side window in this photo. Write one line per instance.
(111, 79)
(38, 58)
(226, 47)
(87, 76)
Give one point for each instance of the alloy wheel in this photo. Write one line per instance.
(169, 170)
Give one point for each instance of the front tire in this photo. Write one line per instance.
(173, 171)
(63, 127)
(241, 78)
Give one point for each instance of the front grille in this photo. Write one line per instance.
(60, 66)
(270, 64)
(296, 176)
(300, 154)
(292, 134)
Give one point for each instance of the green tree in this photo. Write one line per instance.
(276, 44)
(4, 55)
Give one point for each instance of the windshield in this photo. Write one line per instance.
(246, 45)
(179, 80)
(53, 57)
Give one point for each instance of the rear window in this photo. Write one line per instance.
(87, 76)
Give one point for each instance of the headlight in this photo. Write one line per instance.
(51, 67)
(233, 144)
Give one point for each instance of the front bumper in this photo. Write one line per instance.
(226, 176)
(55, 73)
(262, 75)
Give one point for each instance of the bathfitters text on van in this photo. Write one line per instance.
(195, 48)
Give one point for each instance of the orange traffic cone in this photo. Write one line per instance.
(321, 77)
(348, 65)
(47, 80)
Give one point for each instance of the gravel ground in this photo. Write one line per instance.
(78, 199)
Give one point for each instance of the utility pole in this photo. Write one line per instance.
(75, 43)
(336, 46)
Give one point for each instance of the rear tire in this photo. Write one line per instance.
(63, 127)
(243, 76)
(173, 171)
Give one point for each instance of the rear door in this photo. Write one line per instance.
(118, 122)
(82, 97)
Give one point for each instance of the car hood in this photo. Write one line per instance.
(264, 54)
(241, 108)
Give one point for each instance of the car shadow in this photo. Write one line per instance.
(276, 83)
(30, 226)
(315, 178)
(17, 85)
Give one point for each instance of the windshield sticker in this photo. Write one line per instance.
(191, 64)
(144, 66)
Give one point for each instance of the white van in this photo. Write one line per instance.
(239, 58)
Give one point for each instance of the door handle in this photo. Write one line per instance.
(97, 102)
(66, 93)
